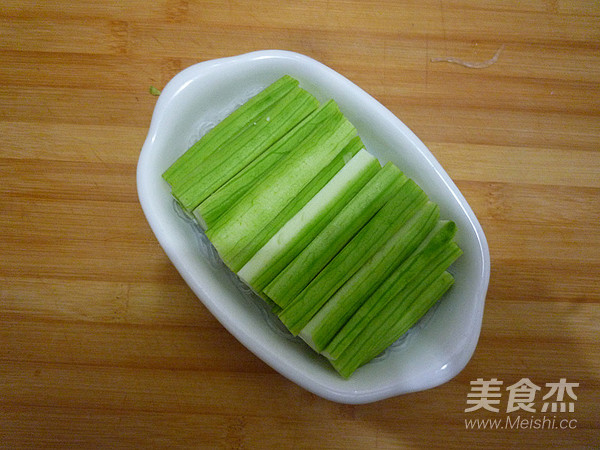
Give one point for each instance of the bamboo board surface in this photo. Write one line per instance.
(102, 344)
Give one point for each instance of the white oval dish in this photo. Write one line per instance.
(435, 351)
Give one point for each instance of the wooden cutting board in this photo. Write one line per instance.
(103, 345)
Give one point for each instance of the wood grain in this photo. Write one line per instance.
(101, 342)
